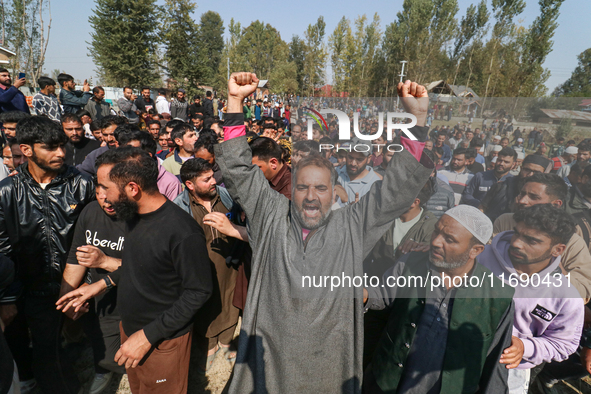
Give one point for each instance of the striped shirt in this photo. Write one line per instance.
(457, 181)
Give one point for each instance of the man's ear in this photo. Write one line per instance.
(273, 163)
(178, 142)
(132, 189)
(27, 150)
(558, 249)
(476, 250)
(190, 185)
(557, 203)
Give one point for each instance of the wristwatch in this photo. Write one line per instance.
(108, 282)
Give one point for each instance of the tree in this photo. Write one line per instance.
(183, 53)
(472, 27)
(337, 44)
(26, 25)
(504, 12)
(565, 128)
(419, 35)
(260, 47)
(537, 45)
(314, 55)
(211, 32)
(297, 49)
(579, 83)
(283, 78)
(125, 41)
(230, 56)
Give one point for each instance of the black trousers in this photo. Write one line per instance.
(54, 374)
(105, 339)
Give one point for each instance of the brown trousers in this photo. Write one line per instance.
(165, 369)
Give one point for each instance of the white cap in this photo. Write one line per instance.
(497, 137)
(519, 139)
(520, 155)
(473, 220)
(572, 150)
(497, 148)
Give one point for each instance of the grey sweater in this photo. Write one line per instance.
(295, 339)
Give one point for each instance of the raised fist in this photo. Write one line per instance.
(242, 85)
(415, 100)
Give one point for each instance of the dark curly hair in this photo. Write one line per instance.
(556, 223)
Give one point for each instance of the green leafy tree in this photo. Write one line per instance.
(565, 128)
(472, 28)
(538, 44)
(579, 83)
(211, 32)
(504, 12)
(314, 55)
(230, 56)
(283, 78)
(183, 53)
(420, 34)
(297, 49)
(260, 47)
(337, 43)
(125, 41)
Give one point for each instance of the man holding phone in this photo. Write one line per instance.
(73, 100)
(12, 99)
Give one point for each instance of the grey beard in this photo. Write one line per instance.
(298, 212)
(458, 262)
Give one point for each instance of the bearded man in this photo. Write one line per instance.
(296, 338)
(446, 331)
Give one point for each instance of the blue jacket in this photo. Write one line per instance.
(479, 186)
(183, 200)
(13, 99)
(74, 101)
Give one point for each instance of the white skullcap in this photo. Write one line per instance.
(572, 150)
(520, 155)
(473, 220)
(497, 137)
(519, 139)
(497, 148)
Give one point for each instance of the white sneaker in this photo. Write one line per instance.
(27, 386)
(100, 382)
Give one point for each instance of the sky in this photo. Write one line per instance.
(68, 48)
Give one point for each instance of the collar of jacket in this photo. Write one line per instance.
(177, 158)
(278, 180)
(25, 176)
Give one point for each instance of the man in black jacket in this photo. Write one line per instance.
(38, 209)
(196, 107)
(145, 102)
(208, 105)
(78, 146)
(7, 367)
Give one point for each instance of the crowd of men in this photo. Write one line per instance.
(151, 231)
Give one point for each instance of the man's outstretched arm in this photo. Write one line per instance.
(405, 176)
(245, 182)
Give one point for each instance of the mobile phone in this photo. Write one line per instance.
(21, 75)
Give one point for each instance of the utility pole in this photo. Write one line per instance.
(402, 75)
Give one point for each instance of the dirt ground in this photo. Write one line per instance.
(212, 382)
